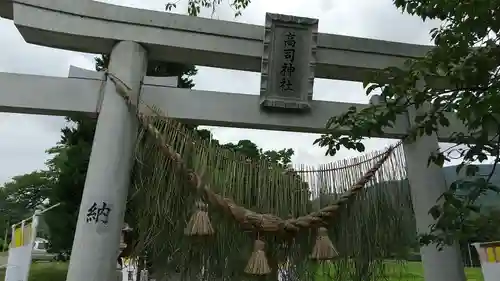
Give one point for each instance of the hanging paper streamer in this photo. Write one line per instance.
(129, 269)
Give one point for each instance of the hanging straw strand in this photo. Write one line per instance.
(248, 218)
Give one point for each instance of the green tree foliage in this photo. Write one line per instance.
(160, 69)
(252, 151)
(194, 7)
(21, 196)
(5, 219)
(69, 167)
(28, 191)
(461, 75)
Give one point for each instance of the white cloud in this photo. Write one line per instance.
(25, 138)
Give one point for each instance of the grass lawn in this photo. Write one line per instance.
(45, 271)
(412, 272)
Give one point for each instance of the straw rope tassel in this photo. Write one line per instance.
(199, 224)
(323, 248)
(257, 264)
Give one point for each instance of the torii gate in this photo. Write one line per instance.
(133, 36)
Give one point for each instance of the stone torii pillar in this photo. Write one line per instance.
(100, 219)
(427, 183)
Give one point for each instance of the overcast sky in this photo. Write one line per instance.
(24, 138)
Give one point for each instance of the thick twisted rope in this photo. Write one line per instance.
(248, 219)
(272, 223)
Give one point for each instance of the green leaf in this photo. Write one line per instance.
(454, 185)
(444, 121)
(435, 212)
(439, 159)
(170, 6)
(471, 170)
(360, 147)
(429, 128)
(463, 65)
(473, 208)
(371, 88)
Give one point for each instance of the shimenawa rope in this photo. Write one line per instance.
(246, 218)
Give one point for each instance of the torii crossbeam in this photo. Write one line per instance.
(32, 94)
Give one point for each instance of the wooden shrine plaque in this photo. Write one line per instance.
(288, 62)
